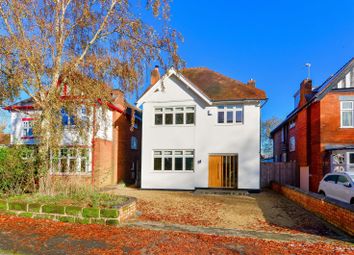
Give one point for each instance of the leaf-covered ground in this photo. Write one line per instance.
(265, 211)
(29, 236)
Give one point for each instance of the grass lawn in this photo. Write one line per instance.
(82, 199)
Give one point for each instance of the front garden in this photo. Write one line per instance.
(22, 195)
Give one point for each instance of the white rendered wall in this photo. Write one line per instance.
(70, 136)
(205, 137)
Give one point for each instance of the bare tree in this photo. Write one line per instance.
(85, 44)
(266, 141)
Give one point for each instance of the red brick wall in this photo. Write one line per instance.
(277, 145)
(301, 138)
(103, 162)
(330, 120)
(315, 157)
(337, 215)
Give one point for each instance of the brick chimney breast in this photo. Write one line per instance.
(251, 83)
(155, 75)
(305, 89)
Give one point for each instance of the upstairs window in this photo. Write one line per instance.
(230, 114)
(347, 114)
(180, 115)
(67, 120)
(27, 128)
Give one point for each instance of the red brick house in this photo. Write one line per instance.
(319, 133)
(111, 153)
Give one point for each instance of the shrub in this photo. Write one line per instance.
(18, 168)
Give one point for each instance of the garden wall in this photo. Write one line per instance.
(72, 214)
(335, 212)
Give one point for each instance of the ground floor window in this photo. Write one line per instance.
(70, 161)
(173, 160)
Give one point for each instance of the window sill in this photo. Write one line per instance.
(346, 127)
(173, 171)
(184, 125)
(229, 124)
(71, 174)
(27, 137)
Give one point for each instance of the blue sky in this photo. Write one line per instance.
(269, 41)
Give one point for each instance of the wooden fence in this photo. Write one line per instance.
(286, 173)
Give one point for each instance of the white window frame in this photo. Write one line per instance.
(292, 144)
(185, 154)
(174, 110)
(27, 125)
(346, 110)
(76, 155)
(227, 109)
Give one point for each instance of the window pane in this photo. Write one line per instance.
(167, 153)
(229, 117)
(83, 165)
(189, 163)
(190, 108)
(220, 117)
(179, 118)
(189, 153)
(220, 107)
(351, 158)
(238, 116)
(178, 164)
(342, 179)
(157, 153)
(168, 118)
(158, 119)
(238, 106)
(347, 119)
(179, 109)
(168, 164)
(63, 165)
(157, 163)
(190, 118)
(168, 109)
(158, 109)
(72, 165)
(178, 152)
(30, 132)
(346, 105)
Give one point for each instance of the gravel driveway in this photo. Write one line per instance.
(265, 211)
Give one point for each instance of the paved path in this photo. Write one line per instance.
(276, 236)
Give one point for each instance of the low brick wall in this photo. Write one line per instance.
(335, 212)
(73, 214)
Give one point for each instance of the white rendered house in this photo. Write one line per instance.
(200, 129)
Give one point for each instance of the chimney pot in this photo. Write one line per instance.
(252, 83)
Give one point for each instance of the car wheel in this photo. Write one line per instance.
(322, 193)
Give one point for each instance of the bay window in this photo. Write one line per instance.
(173, 160)
(70, 161)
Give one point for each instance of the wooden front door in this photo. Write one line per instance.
(222, 171)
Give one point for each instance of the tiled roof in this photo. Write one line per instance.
(219, 87)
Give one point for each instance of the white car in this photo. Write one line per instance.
(339, 186)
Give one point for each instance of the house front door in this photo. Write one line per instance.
(222, 171)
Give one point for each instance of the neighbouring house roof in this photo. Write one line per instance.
(219, 87)
(5, 139)
(318, 93)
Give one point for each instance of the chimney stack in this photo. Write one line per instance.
(305, 89)
(251, 83)
(155, 75)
